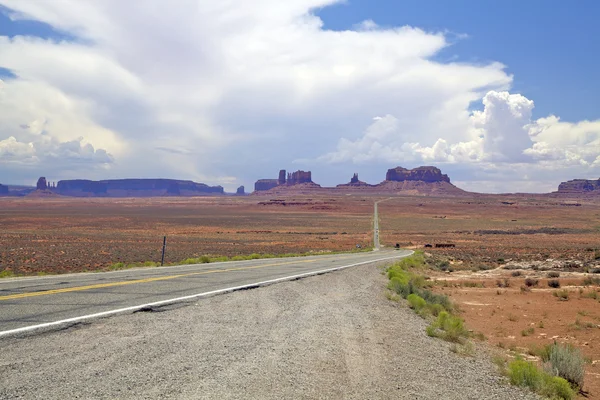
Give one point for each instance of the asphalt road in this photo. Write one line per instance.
(50, 302)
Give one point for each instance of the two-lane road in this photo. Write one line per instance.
(28, 304)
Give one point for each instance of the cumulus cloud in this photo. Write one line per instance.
(205, 90)
(501, 140)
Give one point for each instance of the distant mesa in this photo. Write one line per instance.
(580, 186)
(134, 188)
(3, 190)
(292, 179)
(240, 191)
(425, 174)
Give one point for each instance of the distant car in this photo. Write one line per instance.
(428, 245)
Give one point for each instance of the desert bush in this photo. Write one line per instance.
(567, 362)
(416, 302)
(553, 274)
(6, 273)
(504, 283)
(527, 332)
(516, 274)
(589, 281)
(595, 270)
(448, 327)
(116, 266)
(526, 374)
(561, 294)
(554, 283)
(597, 255)
(530, 282)
(591, 295)
(525, 289)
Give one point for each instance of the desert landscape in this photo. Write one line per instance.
(523, 269)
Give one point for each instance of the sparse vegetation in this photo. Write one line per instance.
(504, 283)
(527, 374)
(413, 287)
(531, 282)
(515, 274)
(554, 283)
(528, 332)
(553, 274)
(565, 361)
(562, 295)
(7, 274)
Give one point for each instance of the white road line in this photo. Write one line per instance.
(180, 299)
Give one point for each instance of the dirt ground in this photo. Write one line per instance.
(519, 320)
(58, 235)
(490, 234)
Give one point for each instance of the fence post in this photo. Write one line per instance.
(162, 260)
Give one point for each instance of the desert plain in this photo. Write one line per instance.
(507, 248)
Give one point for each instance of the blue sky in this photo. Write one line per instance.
(503, 96)
(551, 46)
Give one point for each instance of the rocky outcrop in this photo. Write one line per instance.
(265, 184)
(240, 191)
(424, 174)
(291, 179)
(3, 190)
(134, 188)
(41, 184)
(354, 182)
(580, 186)
(298, 177)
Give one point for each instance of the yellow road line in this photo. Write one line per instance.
(133, 282)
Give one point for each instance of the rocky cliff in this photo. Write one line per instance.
(579, 186)
(134, 188)
(424, 174)
(303, 178)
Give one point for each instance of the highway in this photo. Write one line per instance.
(50, 302)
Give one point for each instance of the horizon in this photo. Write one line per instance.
(226, 191)
(331, 86)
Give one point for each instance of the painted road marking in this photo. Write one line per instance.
(184, 298)
(136, 281)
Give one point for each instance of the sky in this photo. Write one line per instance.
(502, 96)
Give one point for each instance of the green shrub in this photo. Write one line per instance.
(567, 362)
(557, 388)
(6, 273)
(416, 302)
(116, 266)
(525, 374)
(562, 295)
(448, 327)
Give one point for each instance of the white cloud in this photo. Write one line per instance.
(238, 89)
(501, 139)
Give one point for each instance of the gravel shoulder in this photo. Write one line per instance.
(333, 336)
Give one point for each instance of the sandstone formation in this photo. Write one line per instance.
(240, 191)
(354, 182)
(579, 186)
(424, 174)
(41, 184)
(265, 184)
(3, 190)
(303, 178)
(134, 188)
